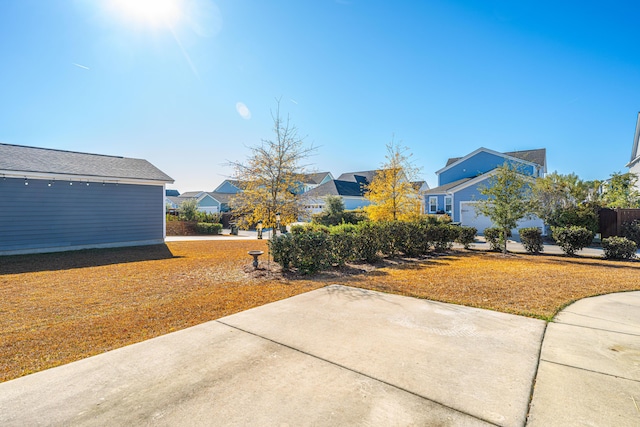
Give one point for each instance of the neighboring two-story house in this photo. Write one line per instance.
(350, 187)
(460, 181)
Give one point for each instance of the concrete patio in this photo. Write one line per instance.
(347, 356)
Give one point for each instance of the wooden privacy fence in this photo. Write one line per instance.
(611, 220)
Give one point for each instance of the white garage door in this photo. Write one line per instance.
(469, 218)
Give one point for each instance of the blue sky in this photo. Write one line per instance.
(442, 77)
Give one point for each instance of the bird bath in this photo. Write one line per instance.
(255, 255)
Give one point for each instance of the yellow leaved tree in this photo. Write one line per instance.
(391, 192)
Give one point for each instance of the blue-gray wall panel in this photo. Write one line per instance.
(40, 216)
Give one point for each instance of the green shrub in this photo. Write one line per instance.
(367, 242)
(393, 236)
(572, 239)
(310, 227)
(212, 218)
(619, 248)
(631, 230)
(343, 238)
(531, 239)
(312, 252)
(579, 216)
(495, 237)
(437, 219)
(466, 236)
(308, 252)
(313, 248)
(208, 228)
(415, 243)
(188, 210)
(282, 249)
(441, 236)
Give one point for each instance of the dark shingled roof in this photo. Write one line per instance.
(314, 178)
(191, 194)
(18, 158)
(358, 176)
(534, 156)
(337, 187)
(222, 197)
(446, 187)
(537, 156)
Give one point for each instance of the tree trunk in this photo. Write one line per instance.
(505, 233)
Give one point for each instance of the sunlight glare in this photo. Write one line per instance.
(152, 12)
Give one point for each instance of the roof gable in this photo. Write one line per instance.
(228, 186)
(316, 178)
(46, 161)
(537, 157)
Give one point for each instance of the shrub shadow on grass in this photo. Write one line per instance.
(358, 272)
(17, 264)
(592, 261)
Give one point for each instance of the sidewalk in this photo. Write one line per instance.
(551, 249)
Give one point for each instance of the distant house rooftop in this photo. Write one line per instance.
(337, 187)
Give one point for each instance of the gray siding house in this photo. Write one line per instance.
(54, 200)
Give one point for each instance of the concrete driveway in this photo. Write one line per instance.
(346, 356)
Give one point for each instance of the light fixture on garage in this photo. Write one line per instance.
(70, 182)
(26, 181)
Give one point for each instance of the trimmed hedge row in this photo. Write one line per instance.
(208, 228)
(313, 248)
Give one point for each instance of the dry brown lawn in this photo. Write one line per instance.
(57, 308)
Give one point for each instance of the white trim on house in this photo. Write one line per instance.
(429, 211)
(486, 150)
(635, 154)
(78, 178)
(450, 197)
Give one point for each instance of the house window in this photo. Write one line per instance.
(448, 204)
(433, 204)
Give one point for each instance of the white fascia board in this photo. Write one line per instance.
(486, 150)
(80, 178)
(635, 155)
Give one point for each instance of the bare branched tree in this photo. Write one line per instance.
(270, 178)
